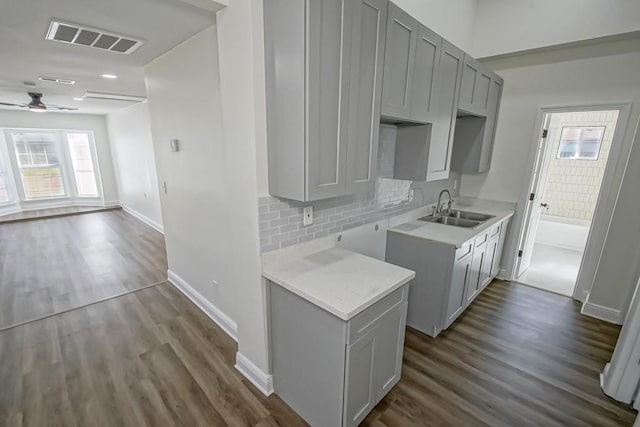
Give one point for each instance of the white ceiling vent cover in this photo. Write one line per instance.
(113, 97)
(91, 37)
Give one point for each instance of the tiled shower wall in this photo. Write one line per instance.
(281, 219)
(572, 186)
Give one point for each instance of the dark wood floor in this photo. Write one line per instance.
(51, 265)
(519, 356)
(148, 358)
(52, 213)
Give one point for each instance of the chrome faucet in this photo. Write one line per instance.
(439, 207)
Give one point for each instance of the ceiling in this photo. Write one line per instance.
(26, 55)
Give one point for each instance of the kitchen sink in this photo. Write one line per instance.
(447, 220)
(473, 216)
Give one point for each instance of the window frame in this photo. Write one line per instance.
(4, 175)
(66, 165)
(580, 141)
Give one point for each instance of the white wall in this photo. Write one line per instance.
(452, 19)
(241, 44)
(603, 73)
(95, 123)
(183, 89)
(506, 26)
(134, 162)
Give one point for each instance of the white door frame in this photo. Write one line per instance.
(607, 198)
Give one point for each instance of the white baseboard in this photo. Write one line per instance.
(142, 218)
(263, 381)
(214, 313)
(603, 313)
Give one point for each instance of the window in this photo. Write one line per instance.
(580, 142)
(5, 197)
(53, 164)
(82, 162)
(39, 165)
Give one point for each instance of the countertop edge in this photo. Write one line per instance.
(332, 310)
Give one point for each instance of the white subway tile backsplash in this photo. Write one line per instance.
(281, 222)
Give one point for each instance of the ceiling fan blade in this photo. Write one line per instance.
(8, 104)
(56, 107)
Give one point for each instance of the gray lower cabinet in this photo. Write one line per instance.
(460, 278)
(323, 70)
(448, 279)
(333, 372)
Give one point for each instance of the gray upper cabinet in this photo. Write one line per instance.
(329, 53)
(486, 150)
(322, 131)
(474, 135)
(424, 105)
(367, 60)
(474, 93)
(447, 91)
(397, 87)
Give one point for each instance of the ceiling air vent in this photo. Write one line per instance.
(57, 80)
(91, 37)
(113, 97)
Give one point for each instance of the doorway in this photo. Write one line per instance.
(575, 151)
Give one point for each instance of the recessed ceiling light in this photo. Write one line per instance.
(109, 76)
(78, 99)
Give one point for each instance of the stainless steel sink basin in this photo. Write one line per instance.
(473, 216)
(447, 220)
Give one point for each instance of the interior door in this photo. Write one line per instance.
(534, 204)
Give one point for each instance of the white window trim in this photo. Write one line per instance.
(71, 198)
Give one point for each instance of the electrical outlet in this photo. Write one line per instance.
(307, 215)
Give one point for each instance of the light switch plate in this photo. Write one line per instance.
(307, 215)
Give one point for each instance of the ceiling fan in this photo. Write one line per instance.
(36, 104)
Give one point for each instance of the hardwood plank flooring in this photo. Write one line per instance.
(518, 356)
(51, 265)
(52, 213)
(148, 358)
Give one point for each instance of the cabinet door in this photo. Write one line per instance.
(368, 41)
(477, 264)
(459, 283)
(468, 86)
(447, 93)
(360, 390)
(495, 268)
(389, 346)
(400, 55)
(481, 93)
(474, 92)
(487, 268)
(493, 106)
(423, 100)
(328, 56)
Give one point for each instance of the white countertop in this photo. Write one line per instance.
(457, 236)
(337, 280)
